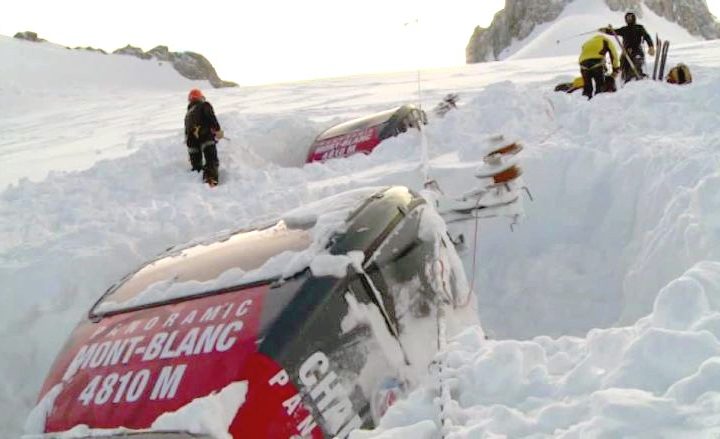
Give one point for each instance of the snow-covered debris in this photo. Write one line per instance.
(336, 265)
(319, 222)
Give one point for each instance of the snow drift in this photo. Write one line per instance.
(587, 304)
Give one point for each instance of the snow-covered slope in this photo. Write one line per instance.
(30, 66)
(548, 28)
(602, 306)
(581, 16)
(50, 94)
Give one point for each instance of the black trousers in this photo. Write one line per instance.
(212, 164)
(593, 70)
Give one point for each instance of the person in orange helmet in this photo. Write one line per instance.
(202, 132)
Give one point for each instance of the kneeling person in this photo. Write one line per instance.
(592, 64)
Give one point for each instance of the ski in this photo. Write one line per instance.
(658, 49)
(482, 211)
(663, 58)
(448, 103)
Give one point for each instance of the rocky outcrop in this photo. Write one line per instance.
(516, 21)
(91, 49)
(133, 51)
(693, 15)
(189, 64)
(28, 36)
(520, 17)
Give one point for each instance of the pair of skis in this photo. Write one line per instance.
(661, 51)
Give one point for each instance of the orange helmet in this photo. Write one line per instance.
(195, 95)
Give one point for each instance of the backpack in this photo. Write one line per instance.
(680, 74)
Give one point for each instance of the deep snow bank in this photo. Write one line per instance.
(619, 382)
(625, 204)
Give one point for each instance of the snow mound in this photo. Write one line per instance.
(618, 382)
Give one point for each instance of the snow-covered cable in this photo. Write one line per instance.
(445, 397)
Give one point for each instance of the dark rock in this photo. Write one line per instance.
(195, 66)
(160, 53)
(516, 21)
(693, 15)
(91, 49)
(28, 36)
(133, 51)
(189, 64)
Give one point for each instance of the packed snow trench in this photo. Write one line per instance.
(602, 307)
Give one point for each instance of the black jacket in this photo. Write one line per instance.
(200, 124)
(632, 36)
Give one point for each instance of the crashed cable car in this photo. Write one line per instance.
(309, 325)
(362, 135)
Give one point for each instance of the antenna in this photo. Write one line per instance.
(416, 22)
(424, 156)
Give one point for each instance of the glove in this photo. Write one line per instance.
(615, 71)
(219, 134)
(651, 51)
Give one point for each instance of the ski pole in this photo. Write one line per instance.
(575, 36)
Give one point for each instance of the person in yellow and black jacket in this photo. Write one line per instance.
(202, 132)
(592, 64)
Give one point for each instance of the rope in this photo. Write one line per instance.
(474, 264)
(445, 397)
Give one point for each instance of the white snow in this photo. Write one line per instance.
(35, 422)
(322, 224)
(336, 265)
(210, 414)
(602, 308)
(562, 35)
(368, 314)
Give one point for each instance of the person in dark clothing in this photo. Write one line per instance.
(632, 36)
(592, 65)
(202, 131)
